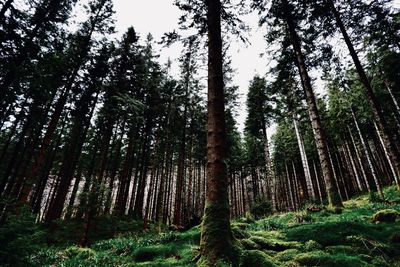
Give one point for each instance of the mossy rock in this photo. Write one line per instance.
(272, 244)
(256, 258)
(387, 215)
(312, 245)
(249, 244)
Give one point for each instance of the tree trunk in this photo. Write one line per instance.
(269, 168)
(320, 139)
(356, 150)
(368, 156)
(304, 160)
(216, 235)
(387, 154)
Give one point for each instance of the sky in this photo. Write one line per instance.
(160, 16)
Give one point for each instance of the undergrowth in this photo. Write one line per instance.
(364, 233)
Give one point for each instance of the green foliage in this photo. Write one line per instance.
(261, 208)
(20, 237)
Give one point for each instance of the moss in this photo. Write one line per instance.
(239, 233)
(287, 255)
(240, 225)
(386, 215)
(256, 258)
(351, 250)
(336, 231)
(320, 258)
(273, 244)
(248, 244)
(217, 242)
(312, 245)
(77, 252)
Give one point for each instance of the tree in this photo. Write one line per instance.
(216, 235)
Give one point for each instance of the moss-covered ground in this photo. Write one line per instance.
(364, 233)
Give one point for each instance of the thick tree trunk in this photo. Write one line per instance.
(216, 235)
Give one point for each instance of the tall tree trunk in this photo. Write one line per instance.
(320, 139)
(216, 235)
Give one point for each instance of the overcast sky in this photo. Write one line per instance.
(160, 16)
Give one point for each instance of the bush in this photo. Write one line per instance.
(261, 208)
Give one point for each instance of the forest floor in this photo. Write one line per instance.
(364, 233)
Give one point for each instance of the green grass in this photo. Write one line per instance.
(323, 238)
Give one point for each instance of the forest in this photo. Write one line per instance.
(109, 157)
